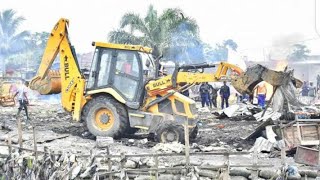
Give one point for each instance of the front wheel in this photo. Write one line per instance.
(170, 131)
(106, 117)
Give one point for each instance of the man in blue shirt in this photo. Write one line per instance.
(225, 94)
(305, 89)
(204, 93)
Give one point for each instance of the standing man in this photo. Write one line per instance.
(261, 94)
(305, 89)
(213, 95)
(312, 92)
(204, 93)
(23, 99)
(224, 93)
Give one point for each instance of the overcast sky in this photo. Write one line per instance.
(253, 24)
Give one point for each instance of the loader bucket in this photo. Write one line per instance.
(246, 82)
(51, 84)
(6, 97)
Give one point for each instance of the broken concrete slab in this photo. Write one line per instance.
(269, 173)
(169, 147)
(240, 172)
(308, 173)
(211, 148)
(238, 178)
(262, 145)
(130, 164)
(102, 141)
(207, 173)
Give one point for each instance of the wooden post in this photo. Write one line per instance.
(109, 163)
(9, 145)
(122, 169)
(318, 148)
(255, 173)
(269, 102)
(19, 132)
(35, 144)
(156, 160)
(187, 146)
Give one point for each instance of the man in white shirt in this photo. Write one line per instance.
(23, 99)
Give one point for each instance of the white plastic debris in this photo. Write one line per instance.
(169, 147)
(229, 111)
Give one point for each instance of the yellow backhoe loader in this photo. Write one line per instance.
(123, 91)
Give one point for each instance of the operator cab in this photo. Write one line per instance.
(123, 69)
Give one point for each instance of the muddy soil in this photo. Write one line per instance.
(212, 131)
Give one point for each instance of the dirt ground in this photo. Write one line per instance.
(51, 117)
(56, 130)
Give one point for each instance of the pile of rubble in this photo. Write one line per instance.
(101, 164)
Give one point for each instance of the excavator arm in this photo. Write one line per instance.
(242, 81)
(190, 74)
(68, 79)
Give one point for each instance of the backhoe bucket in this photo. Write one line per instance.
(246, 82)
(50, 85)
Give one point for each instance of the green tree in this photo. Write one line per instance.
(166, 33)
(220, 51)
(230, 43)
(299, 52)
(11, 41)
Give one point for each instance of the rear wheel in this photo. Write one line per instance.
(194, 133)
(106, 117)
(170, 131)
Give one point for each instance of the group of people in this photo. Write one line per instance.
(308, 92)
(209, 95)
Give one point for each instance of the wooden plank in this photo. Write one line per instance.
(301, 134)
(307, 156)
(299, 131)
(186, 138)
(35, 143)
(19, 132)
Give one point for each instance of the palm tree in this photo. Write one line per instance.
(11, 41)
(299, 52)
(164, 33)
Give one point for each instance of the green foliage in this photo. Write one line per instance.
(30, 58)
(220, 51)
(299, 52)
(169, 34)
(11, 41)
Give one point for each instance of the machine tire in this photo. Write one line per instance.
(84, 113)
(131, 130)
(106, 117)
(167, 129)
(194, 133)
